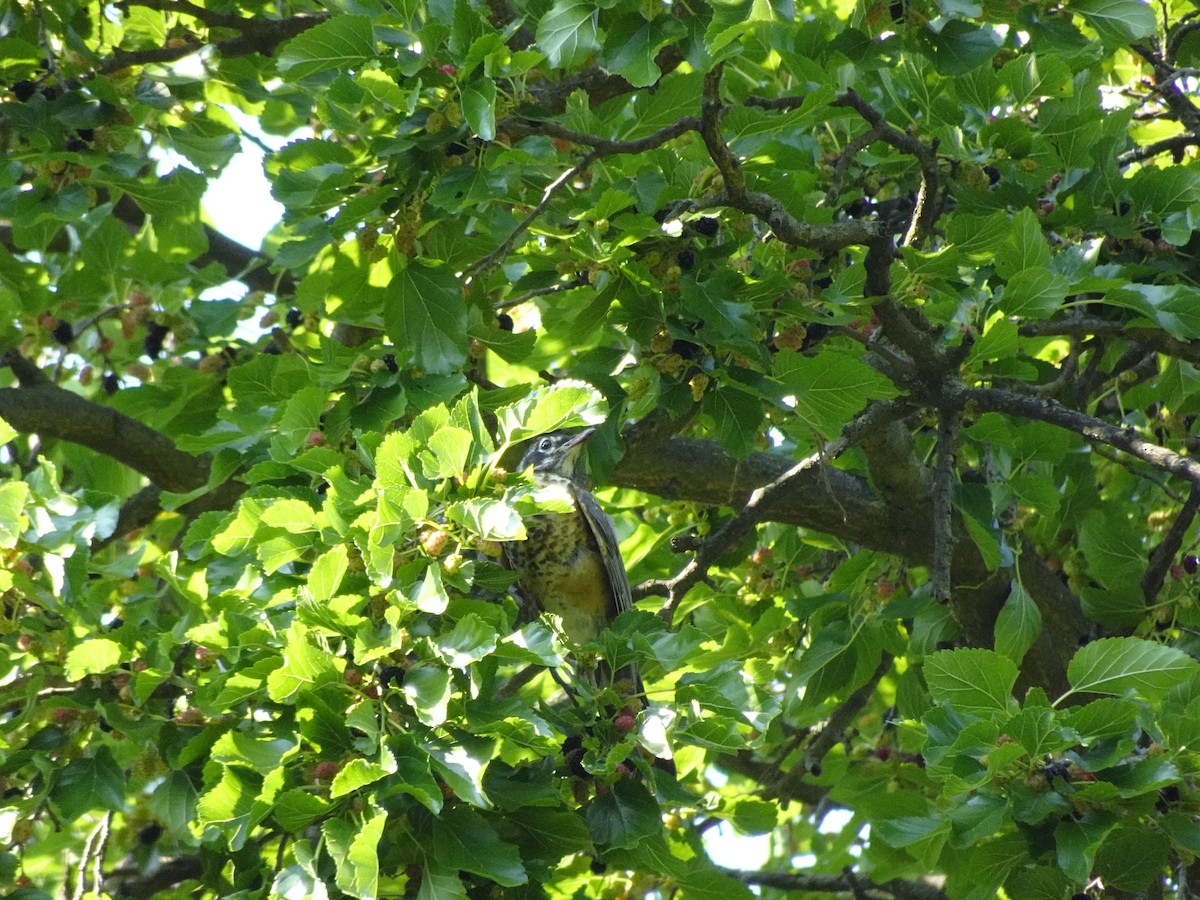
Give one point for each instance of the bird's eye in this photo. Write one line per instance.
(545, 444)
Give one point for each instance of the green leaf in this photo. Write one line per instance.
(304, 667)
(327, 573)
(1121, 665)
(354, 846)
(624, 817)
(830, 388)
(92, 657)
(564, 404)
(736, 417)
(338, 44)
(427, 316)
(974, 681)
(959, 47)
(752, 816)
(1117, 22)
(471, 640)
(174, 803)
(1018, 625)
(13, 497)
(357, 773)
(95, 782)
(1103, 720)
(1113, 550)
(632, 43)
(1034, 294)
(479, 108)
(567, 33)
(1024, 248)
(463, 839)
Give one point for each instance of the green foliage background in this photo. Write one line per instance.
(889, 317)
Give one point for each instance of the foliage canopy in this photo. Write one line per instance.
(889, 315)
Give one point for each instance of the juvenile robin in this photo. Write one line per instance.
(570, 563)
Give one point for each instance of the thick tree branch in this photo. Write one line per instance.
(257, 36)
(761, 500)
(39, 407)
(940, 575)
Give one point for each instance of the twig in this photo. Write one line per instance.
(836, 884)
(541, 292)
(925, 211)
(1043, 410)
(840, 721)
(1166, 145)
(943, 505)
(1164, 554)
(758, 504)
(856, 144)
(509, 242)
(519, 127)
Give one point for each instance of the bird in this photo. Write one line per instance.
(570, 563)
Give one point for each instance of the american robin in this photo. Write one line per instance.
(570, 563)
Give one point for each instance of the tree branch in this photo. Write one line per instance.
(760, 502)
(943, 506)
(837, 884)
(257, 36)
(1164, 554)
(40, 407)
(1043, 410)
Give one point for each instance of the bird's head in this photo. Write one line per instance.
(556, 453)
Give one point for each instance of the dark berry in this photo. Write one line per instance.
(505, 322)
(103, 725)
(661, 216)
(294, 318)
(389, 675)
(686, 260)
(150, 834)
(75, 145)
(153, 342)
(50, 93)
(272, 350)
(389, 360)
(24, 90)
(686, 349)
(598, 867)
(64, 333)
(86, 134)
(707, 225)
(1190, 564)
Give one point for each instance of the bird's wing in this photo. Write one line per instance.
(610, 549)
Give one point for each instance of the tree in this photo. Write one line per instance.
(888, 316)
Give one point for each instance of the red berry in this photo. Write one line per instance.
(434, 541)
(448, 69)
(562, 145)
(625, 723)
(324, 771)
(315, 439)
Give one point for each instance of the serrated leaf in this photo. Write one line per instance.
(479, 107)
(564, 404)
(830, 388)
(427, 316)
(1117, 21)
(90, 783)
(354, 846)
(1121, 665)
(335, 45)
(971, 680)
(631, 45)
(567, 33)
(1018, 625)
(463, 839)
(92, 657)
(1034, 294)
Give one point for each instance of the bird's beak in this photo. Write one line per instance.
(579, 438)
